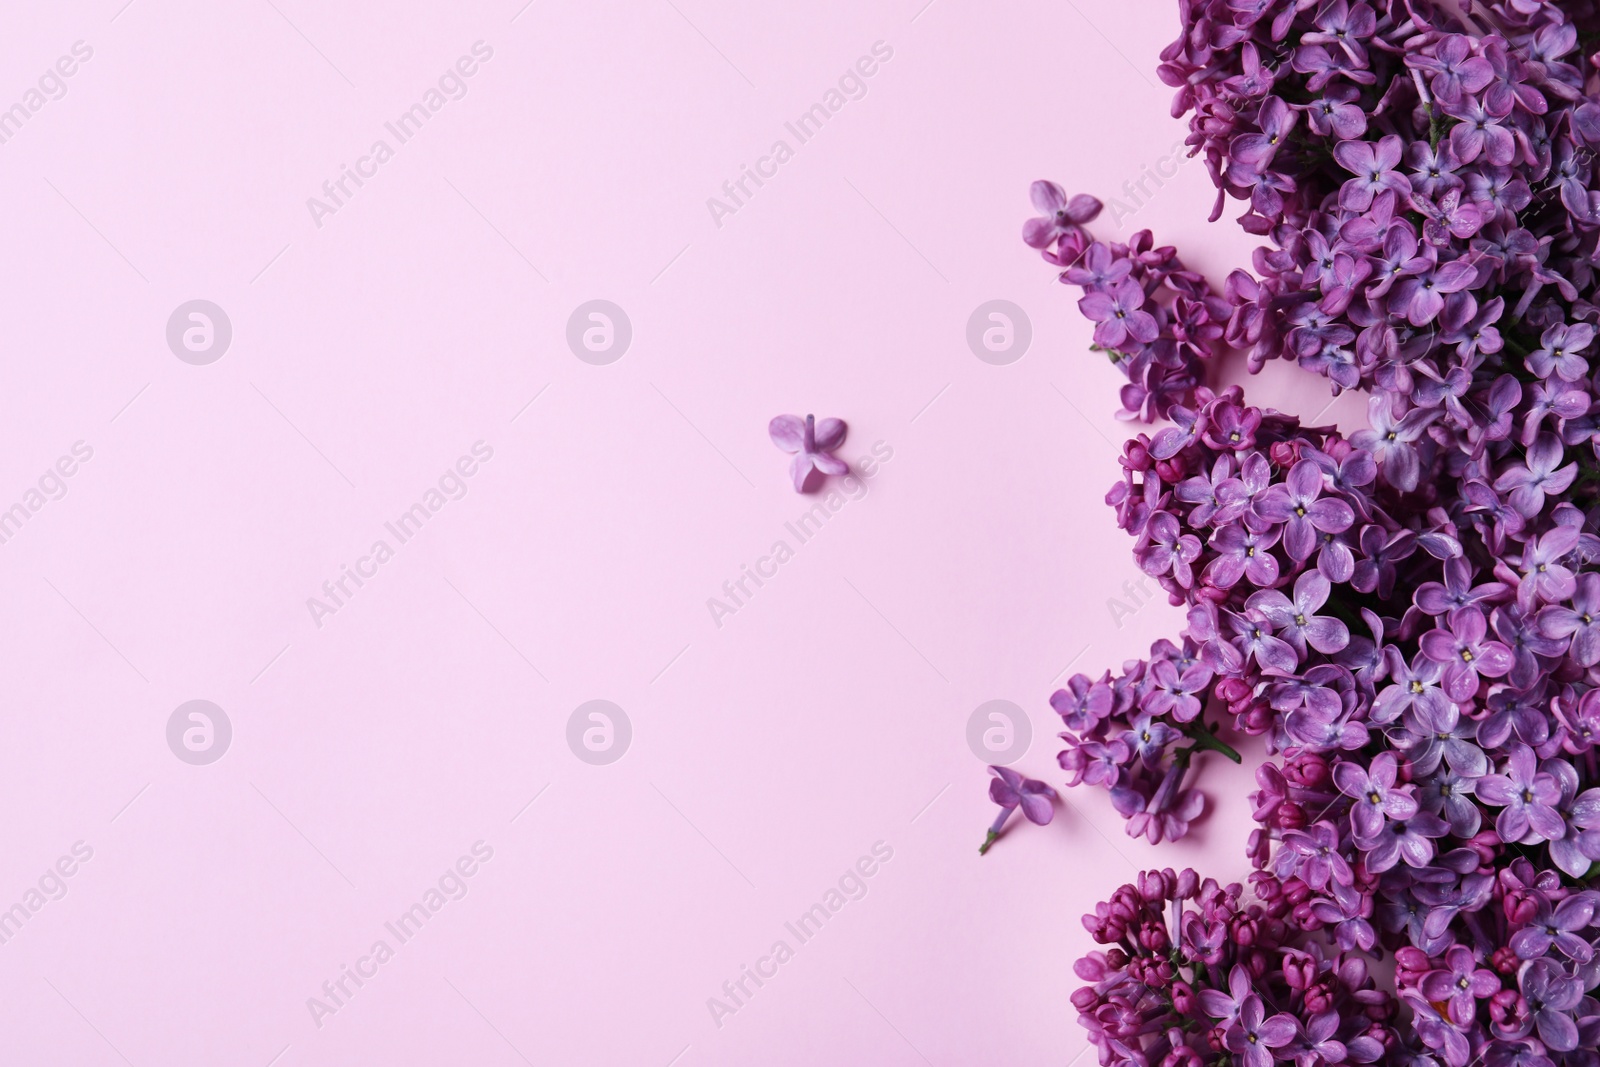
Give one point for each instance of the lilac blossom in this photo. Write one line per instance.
(1526, 797)
(1298, 502)
(1406, 616)
(1461, 648)
(1011, 790)
(812, 442)
(1373, 790)
(1460, 984)
(1296, 621)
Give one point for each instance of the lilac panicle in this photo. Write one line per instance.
(1407, 616)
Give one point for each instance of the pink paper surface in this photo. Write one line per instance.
(391, 735)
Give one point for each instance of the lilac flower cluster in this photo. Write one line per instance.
(1156, 319)
(1196, 976)
(1408, 616)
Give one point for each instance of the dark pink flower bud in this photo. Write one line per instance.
(1521, 906)
(1290, 816)
(1299, 971)
(1184, 1001)
(1182, 1056)
(1410, 965)
(1307, 770)
(1319, 997)
(1508, 1011)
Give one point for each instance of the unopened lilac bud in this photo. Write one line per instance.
(1255, 719)
(1319, 997)
(1153, 936)
(1184, 1000)
(1487, 845)
(1267, 887)
(1152, 887)
(1411, 964)
(1508, 1012)
(1521, 905)
(1290, 816)
(1299, 971)
(1172, 471)
(1232, 690)
(1182, 1056)
(1307, 770)
(1257, 848)
(1136, 456)
(1383, 1036)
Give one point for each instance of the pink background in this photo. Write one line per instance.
(369, 353)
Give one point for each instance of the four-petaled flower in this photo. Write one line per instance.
(1526, 796)
(1299, 504)
(1373, 790)
(1117, 312)
(1460, 985)
(1011, 790)
(1296, 621)
(811, 442)
(1461, 649)
(1058, 215)
(1254, 1036)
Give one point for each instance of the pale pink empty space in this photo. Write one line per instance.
(558, 530)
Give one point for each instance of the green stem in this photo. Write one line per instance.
(1515, 346)
(1204, 738)
(983, 849)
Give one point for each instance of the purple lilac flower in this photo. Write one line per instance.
(1408, 616)
(812, 442)
(1373, 790)
(1460, 984)
(1299, 503)
(1058, 215)
(1464, 653)
(1296, 621)
(1254, 1035)
(1526, 797)
(1011, 790)
(1551, 995)
(1540, 473)
(1579, 622)
(1117, 311)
